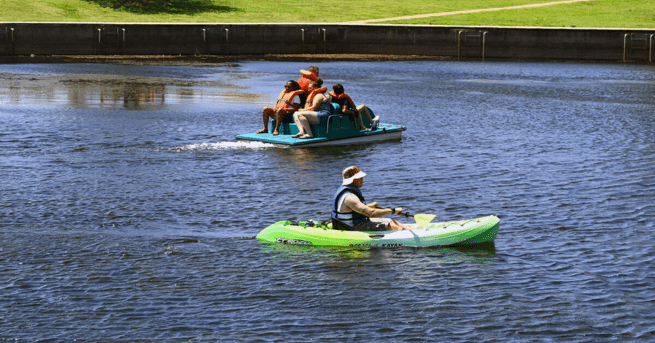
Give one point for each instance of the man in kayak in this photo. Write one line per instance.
(349, 206)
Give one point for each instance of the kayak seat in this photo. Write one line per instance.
(337, 224)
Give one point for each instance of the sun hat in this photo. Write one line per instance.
(350, 174)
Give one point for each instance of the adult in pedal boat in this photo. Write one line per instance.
(348, 107)
(316, 111)
(308, 76)
(349, 206)
(286, 104)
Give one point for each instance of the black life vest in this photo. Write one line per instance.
(354, 217)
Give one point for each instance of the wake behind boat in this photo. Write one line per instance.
(464, 232)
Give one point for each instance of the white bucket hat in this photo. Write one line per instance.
(350, 174)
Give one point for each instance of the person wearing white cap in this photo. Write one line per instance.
(350, 207)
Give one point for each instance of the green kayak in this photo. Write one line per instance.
(464, 232)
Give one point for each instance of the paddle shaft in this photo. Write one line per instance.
(422, 219)
(406, 214)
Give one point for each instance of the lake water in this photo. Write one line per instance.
(128, 209)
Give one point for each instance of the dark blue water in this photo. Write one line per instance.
(127, 208)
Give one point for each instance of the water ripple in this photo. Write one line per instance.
(128, 209)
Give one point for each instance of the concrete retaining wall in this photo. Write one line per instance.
(254, 39)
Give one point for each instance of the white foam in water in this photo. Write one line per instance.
(226, 146)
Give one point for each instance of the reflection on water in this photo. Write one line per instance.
(310, 156)
(115, 91)
(479, 253)
(132, 98)
(297, 252)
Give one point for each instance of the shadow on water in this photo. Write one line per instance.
(182, 7)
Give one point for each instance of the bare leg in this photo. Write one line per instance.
(363, 110)
(299, 124)
(306, 118)
(278, 120)
(397, 226)
(267, 112)
(359, 120)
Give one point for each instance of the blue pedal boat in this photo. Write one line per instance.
(340, 130)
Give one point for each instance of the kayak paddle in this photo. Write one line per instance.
(422, 219)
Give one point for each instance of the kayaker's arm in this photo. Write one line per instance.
(370, 211)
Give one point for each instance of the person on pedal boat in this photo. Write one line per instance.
(354, 112)
(317, 110)
(309, 75)
(286, 104)
(350, 207)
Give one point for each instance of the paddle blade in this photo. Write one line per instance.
(423, 219)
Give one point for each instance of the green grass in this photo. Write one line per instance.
(236, 11)
(596, 13)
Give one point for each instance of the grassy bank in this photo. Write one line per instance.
(595, 13)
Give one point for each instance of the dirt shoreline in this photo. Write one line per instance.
(201, 59)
